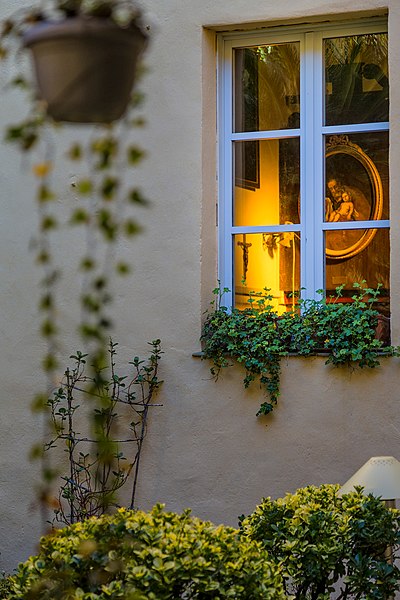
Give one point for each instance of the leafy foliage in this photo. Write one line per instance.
(115, 409)
(147, 556)
(258, 337)
(5, 585)
(323, 540)
(99, 199)
(102, 199)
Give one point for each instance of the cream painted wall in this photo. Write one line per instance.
(205, 447)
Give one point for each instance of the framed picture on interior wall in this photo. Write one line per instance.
(354, 192)
(247, 153)
(247, 165)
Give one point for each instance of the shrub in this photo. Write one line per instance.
(5, 586)
(147, 556)
(323, 540)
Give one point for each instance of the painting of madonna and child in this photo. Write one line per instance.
(356, 175)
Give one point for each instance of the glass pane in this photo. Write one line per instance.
(267, 260)
(356, 79)
(267, 87)
(267, 182)
(357, 182)
(369, 263)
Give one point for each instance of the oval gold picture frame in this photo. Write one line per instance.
(341, 145)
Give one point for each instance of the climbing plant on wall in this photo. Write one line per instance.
(258, 337)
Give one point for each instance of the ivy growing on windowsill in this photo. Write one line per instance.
(258, 337)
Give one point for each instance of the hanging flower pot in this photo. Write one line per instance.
(85, 66)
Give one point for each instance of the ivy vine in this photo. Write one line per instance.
(100, 198)
(258, 337)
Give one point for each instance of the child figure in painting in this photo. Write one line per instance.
(345, 211)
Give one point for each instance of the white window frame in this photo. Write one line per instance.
(312, 134)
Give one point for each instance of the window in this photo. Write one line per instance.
(304, 182)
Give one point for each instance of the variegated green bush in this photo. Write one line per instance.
(147, 556)
(328, 543)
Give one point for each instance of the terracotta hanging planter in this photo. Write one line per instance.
(85, 67)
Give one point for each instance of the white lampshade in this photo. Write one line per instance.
(379, 476)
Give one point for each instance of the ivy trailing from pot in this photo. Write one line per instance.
(87, 183)
(100, 194)
(258, 337)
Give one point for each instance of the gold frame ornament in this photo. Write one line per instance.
(341, 145)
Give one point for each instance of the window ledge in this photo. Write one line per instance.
(320, 352)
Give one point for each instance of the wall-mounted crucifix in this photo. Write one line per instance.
(245, 248)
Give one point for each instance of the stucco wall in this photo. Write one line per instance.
(205, 447)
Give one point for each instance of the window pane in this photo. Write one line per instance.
(267, 260)
(356, 79)
(357, 183)
(267, 87)
(267, 182)
(370, 264)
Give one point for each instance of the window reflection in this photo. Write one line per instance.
(267, 92)
(356, 79)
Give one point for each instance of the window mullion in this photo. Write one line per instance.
(355, 128)
(312, 167)
(319, 161)
(225, 121)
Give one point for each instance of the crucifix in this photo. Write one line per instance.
(245, 248)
